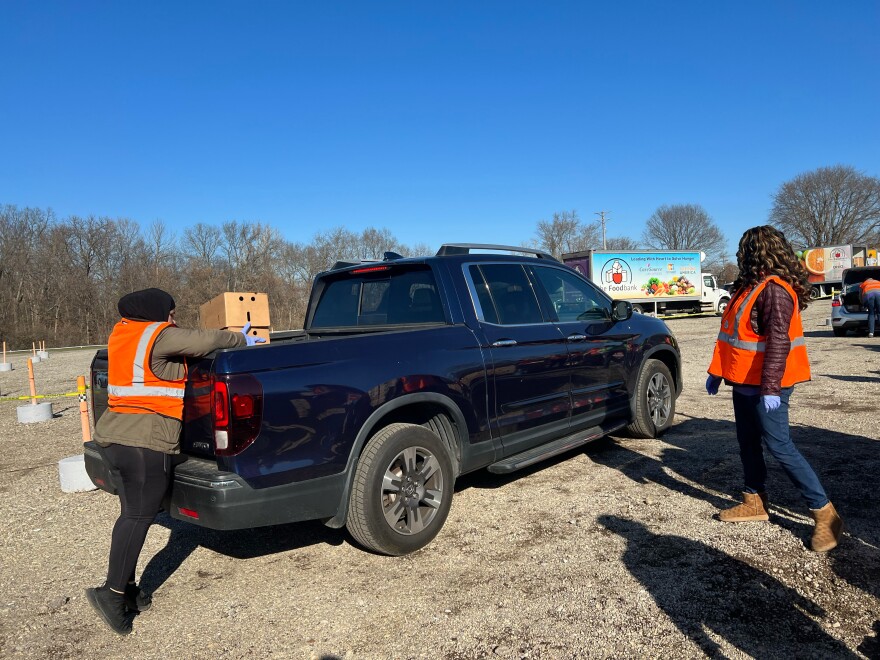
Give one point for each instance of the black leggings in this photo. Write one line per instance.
(145, 476)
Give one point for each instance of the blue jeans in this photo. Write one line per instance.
(753, 426)
(872, 302)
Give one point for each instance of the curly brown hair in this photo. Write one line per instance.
(764, 251)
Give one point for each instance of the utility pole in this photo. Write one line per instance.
(601, 215)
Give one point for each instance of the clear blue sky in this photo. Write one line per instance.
(442, 121)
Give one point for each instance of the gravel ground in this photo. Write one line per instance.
(610, 551)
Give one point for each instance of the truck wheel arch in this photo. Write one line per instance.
(379, 418)
(668, 357)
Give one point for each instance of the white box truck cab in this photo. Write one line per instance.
(654, 281)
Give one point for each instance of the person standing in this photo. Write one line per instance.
(140, 431)
(869, 294)
(762, 354)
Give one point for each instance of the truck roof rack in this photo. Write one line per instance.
(449, 249)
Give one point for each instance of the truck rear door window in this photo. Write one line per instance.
(397, 296)
(513, 301)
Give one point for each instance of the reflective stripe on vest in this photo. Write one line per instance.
(739, 351)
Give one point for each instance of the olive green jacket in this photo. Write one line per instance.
(153, 431)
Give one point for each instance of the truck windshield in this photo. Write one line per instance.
(386, 296)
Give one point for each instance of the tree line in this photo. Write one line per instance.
(60, 278)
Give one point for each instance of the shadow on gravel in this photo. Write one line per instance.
(855, 379)
(692, 583)
(818, 333)
(700, 459)
(706, 454)
(240, 544)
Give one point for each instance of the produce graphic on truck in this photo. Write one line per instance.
(654, 281)
(825, 266)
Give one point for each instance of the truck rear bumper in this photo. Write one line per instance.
(209, 497)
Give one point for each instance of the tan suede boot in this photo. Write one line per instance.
(828, 528)
(754, 507)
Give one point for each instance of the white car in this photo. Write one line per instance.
(847, 311)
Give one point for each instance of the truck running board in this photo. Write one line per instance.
(543, 452)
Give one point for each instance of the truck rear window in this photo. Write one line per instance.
(394, 296)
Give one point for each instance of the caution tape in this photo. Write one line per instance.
(39, 396)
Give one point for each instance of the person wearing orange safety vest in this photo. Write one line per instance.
(140, 431)
(869, 294)
(761, 353)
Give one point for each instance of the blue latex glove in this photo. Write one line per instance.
(770, 402)
(712, 384)
(248, 338)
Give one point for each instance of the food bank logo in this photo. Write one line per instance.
(616, 271)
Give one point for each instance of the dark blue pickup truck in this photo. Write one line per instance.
(409, 373)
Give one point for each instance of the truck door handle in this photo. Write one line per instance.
(501, 343)
(576, 337)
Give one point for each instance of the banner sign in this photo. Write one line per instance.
(648, 275)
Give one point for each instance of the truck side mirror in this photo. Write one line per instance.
(621, 310)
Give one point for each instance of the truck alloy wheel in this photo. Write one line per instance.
(402, 490)
(653, 403)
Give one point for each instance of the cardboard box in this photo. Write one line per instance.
(231, 309)
(253, 332)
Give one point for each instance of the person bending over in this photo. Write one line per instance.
(140, 431)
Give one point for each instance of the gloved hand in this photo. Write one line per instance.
(250, 339)
(770, 402)
(712, 384)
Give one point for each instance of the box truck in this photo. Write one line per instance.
(654, 281)
(825, 266)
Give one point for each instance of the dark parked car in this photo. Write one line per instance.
(409, 373)
(847, 311)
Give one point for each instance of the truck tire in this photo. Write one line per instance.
(638, 309)
(402, 490)
(653, 402)
(722, 305)
(814, 293)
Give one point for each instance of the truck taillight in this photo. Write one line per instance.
(220, 405)
(237, 412)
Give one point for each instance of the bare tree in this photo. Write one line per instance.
(374, 243)
(828, 206)
(621, 243)
(161, 241)
(202, 243)
(684, 227)
(565, 233)
(417, 250)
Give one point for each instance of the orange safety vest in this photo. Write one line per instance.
(132, 387)
(868, 285)
(739, 351)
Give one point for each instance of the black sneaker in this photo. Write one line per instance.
(136, 599)
(110, 606)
